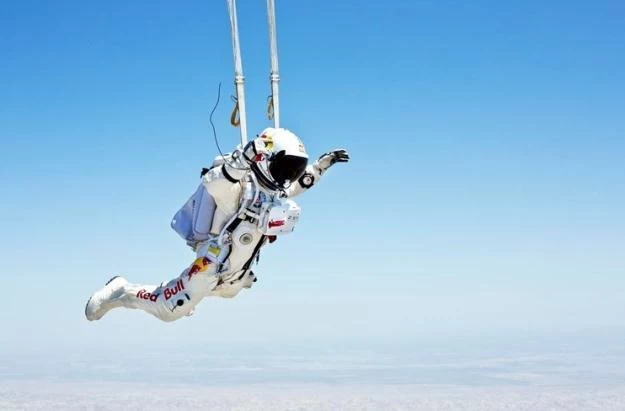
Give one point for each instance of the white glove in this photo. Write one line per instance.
(330, 158)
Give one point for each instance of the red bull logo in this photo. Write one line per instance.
(170, 292)
(268, 140)
(199, 265)
(144, 295)
(276, 223)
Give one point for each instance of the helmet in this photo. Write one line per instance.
(284, 161)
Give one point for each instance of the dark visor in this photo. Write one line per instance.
(287, 167)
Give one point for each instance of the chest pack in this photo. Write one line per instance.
(278, 217)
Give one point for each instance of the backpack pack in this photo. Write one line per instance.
(194, 219)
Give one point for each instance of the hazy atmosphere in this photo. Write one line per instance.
(471, 255)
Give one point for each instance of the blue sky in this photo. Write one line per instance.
(485, 193)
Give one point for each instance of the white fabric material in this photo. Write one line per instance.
(296, 188)
(204, 277)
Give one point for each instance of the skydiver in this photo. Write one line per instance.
(243, 203)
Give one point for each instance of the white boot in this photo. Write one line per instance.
(105, 299)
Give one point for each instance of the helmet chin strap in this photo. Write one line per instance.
(264, 180)
(269, 187)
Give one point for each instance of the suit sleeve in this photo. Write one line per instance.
(311, 177)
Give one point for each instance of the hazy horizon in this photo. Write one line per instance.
(563, 372)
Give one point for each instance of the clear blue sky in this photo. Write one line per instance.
(485, 193)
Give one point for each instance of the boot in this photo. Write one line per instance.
(105, 299)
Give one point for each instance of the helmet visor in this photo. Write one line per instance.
(287, 167)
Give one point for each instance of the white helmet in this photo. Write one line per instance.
(284, 159)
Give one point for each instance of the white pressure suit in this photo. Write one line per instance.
(251, 191)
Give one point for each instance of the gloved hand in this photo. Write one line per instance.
(328, 159)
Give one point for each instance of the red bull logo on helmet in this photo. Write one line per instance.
(267, 140)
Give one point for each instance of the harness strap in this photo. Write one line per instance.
(255, 254)
(235, 118)
(227, 175)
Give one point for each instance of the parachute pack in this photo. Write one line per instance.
(194, 219)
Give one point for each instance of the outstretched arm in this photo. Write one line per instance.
(314, 171)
